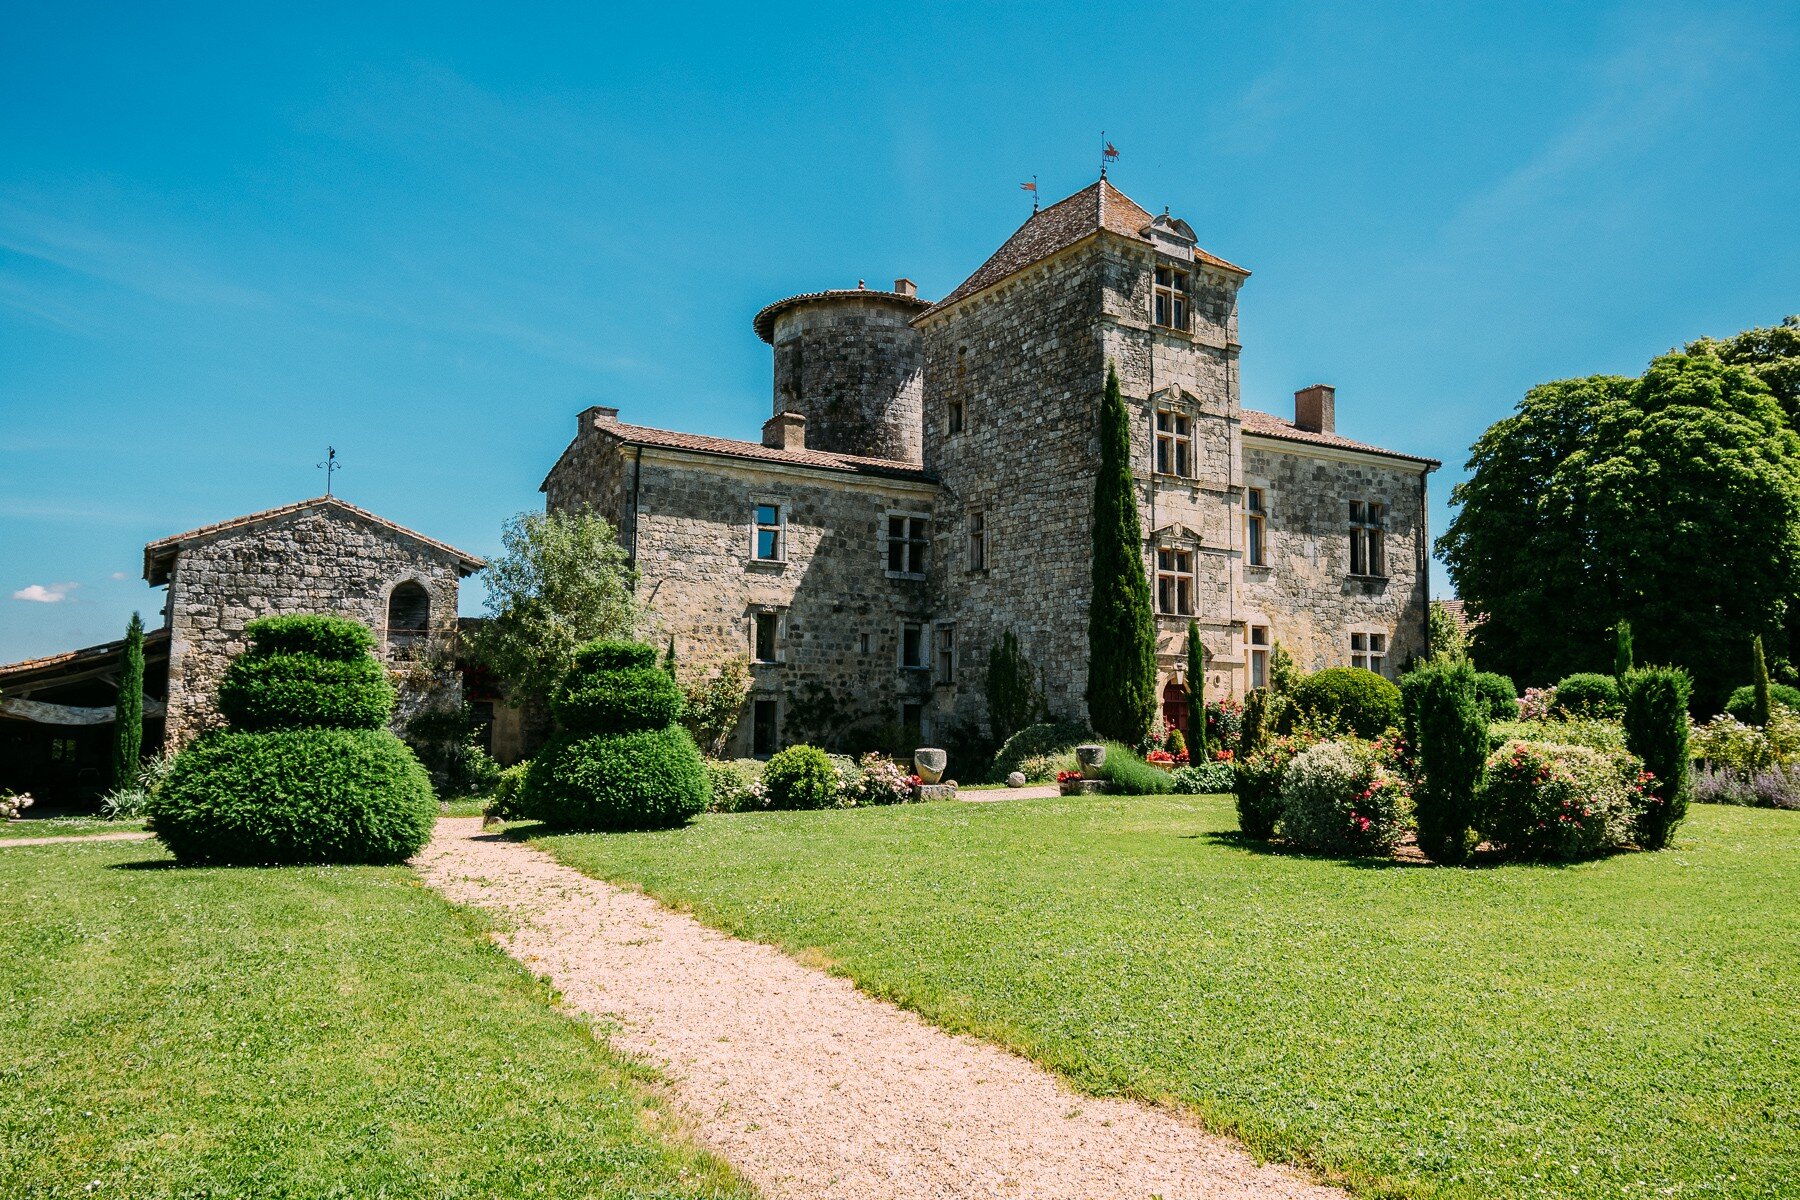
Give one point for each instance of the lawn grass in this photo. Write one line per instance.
(297, 1032)
(66, 827)
(1621, 1028)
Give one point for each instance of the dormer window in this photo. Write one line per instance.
(1171, 298)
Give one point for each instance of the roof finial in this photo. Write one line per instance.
(1108, 153)
(330, 466)
(861, 284)
(1032, 188)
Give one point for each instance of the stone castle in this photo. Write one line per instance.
(925, 481)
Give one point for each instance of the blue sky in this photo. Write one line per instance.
(230, 235)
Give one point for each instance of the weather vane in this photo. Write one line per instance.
(330, 466)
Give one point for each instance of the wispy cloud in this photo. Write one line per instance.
(41, 593)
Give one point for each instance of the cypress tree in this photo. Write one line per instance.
(1452, 749)
(1760, 665)
(1198, 749)
(669, 657)
(128, 712)
(1121, 689)
(1622, 652)
(1656, 730)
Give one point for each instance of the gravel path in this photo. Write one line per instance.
(68, 839)
(809, 1087)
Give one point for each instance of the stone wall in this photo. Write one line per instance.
(1306, 595)
(316, 560)
(851, 365)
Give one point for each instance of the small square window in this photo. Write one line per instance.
(908, 539)
(912, 645)
(770, 533)
(946, 654)
(768, 634)
(1169, 308)
(1369, 651)
(1256, 531)
(1259, 656)
(977, 541)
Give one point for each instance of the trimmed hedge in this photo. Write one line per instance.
(646, 779)
(294, 796)
(617, 700)
(1498, 695)
(1205, 779)
(1348, 700)
(1452, 751)
(1037, 741)
(608, 655)
(1589, 695)
(1656, 730)
(1742, 704)
(801, 777)
(1547, 801)
(317, 634)
(292, 690)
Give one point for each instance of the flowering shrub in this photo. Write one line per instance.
(1536, 704)
(1344, 797)
(1224, 721)
(879, 780)
(1224, 756)
(1258, 783)
(736, 786)
(1773, 787)
(1205, 779)
(802, 777)
(1544, 800)
(1727, 744)
(1160, 758)
(1040, 768)
(1067, 776)
(14, 803)
(1577, 731)
(1588, 694)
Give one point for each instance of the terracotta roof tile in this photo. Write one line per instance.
(644, 435)
(1101, 206)
(164, 548)
(1268, 425)
(153, 640)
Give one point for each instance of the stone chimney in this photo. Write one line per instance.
(906, 287)
(597, 417)
(1315, 408)
(785, 431)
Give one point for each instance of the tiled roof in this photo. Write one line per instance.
(157, 553)
(1458, 612)
(644, 435)
(1268, 425)
(78, 659)
(764, 322)
(1101, 206)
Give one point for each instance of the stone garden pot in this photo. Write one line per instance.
(1091, 757)
(928, 764)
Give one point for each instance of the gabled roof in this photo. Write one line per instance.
(73, 662)
(1100, 206)
(1262, 424)
(696, 443)
(159, 555)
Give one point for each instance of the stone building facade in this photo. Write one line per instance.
(926, 482)
(316, 556)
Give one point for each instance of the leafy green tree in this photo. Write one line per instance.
(1773, 354)
(1121, 688)
(1198, 749)
(562, 581)
(128, 711)
(1622, 649)
(1449, 640)
(1671, 501)
(713, 703)
(1013, 698)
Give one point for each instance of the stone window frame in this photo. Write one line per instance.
(751, 712)
(757, 525)
(978, 541)
(778, 615)
(914, 541)
(1256, 525)
(957, 410)
(1368, 539)
(1179, 442)
(1376, 649)
(422, 636)
(944, 654)
(924, 645)
(1257, 653)
(1190, 549)
(1173, 299)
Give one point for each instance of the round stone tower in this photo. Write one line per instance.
(851, 363)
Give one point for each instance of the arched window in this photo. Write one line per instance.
(408, 617)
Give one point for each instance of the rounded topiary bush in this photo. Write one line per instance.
(1588, 694)
(644, 779)
(1742, 705)
(1037, 741)
(287, 690)
(317, 634)
(619, 761)
(1498, 696)
(1348, 700)
(1547, 801)
(294, 796)
(801, 777)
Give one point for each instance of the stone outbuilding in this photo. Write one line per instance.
(925, 484)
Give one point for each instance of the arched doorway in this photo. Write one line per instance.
(1175, 705)
(408, 617)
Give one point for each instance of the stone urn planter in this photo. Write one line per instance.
(1092, 758)
(928, 764)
